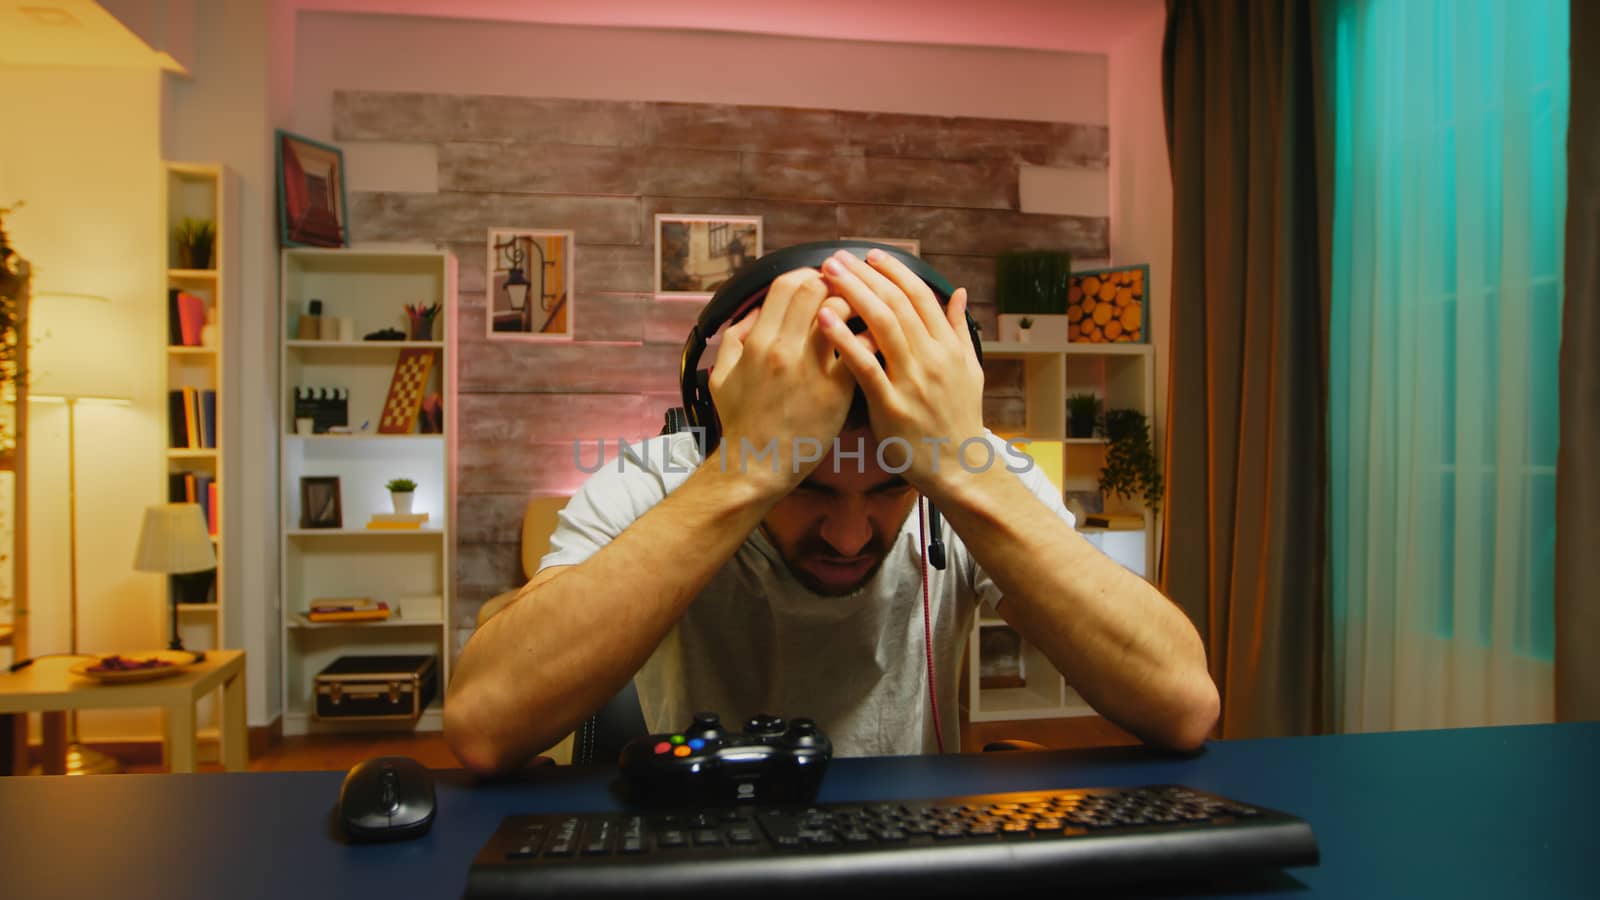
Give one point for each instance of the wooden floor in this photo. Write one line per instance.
(317, 752)
(338, 752)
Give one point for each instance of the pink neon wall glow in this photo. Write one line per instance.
(1058, 25)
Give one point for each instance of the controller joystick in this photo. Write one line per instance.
(804, 733)
(771, 761)
(763, 724)
(706, 726)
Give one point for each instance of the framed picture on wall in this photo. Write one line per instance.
(311, 202)
(696, 254)
(529, 284)
(1109, 306)
(909, 245)
(319, 502)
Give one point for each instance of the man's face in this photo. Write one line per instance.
(834, 530)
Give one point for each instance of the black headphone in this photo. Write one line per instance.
(745, 290)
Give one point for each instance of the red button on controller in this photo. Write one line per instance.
(663, 747)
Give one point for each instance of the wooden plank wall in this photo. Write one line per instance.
(604, 169)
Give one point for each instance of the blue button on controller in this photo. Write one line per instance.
(696, 744)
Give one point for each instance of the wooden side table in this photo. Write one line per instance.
(48, 687)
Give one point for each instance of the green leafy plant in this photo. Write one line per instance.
(1131, 469)
(15, 274)
(401, 485)
(1084, 414)
(1025, 323)
(195, 239)
(1033, 282)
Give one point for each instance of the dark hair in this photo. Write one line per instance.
(859, 416)
(746, 288)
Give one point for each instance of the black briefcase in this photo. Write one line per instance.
(376, 688)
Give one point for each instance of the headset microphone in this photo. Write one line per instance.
(935, 539)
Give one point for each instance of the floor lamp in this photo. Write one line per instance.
(80, 759)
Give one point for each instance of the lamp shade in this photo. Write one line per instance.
(174, 540)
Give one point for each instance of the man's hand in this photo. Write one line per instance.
(781, 393)
(929, 390)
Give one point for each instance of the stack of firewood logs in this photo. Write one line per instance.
(1106, 307)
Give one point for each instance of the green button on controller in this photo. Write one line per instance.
(676, 739)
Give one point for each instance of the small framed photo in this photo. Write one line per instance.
(909, 245)
(311, 201)
(696, 254)
(319, 502)
(530, 285)
(1000, 659)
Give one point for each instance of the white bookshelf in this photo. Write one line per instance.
(408, 569)
(202, 191)
(1123, 376)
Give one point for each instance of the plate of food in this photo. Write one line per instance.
(117, 668)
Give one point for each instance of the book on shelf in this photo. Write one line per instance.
(192, 418)
(195, 487)
(186, 318)
(380, 521)
(347, 609)
(208, 418)
(177, 421)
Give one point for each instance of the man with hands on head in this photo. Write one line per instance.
(739, 582)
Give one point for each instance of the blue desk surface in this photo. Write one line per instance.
(1493, 812)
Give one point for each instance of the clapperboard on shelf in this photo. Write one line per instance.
(325, 407)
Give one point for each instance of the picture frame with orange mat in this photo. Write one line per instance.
(407, 389)
(1109, 306)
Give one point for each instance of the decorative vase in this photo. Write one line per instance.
(1081, 426)
(200, 256)
(401, 501)
(1025, 335)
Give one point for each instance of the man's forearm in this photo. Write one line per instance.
(1122, 645)
(559, 651)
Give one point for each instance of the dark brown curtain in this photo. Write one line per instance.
(1249, 136)
(1578, 462)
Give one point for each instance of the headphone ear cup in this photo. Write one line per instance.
(977, 335)
(703, 412)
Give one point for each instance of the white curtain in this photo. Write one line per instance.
(1450, 186)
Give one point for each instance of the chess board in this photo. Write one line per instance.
(406, 391)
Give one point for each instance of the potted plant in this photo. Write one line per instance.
(1025, 329)
(195, 239)
(1084, 410)
(15, 275)
(1033, 285)
(1131, 470)
(401, 490)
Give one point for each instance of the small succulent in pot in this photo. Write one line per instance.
(401, 491)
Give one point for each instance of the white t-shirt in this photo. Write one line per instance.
(756, 640)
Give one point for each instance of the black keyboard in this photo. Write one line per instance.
(959, 845)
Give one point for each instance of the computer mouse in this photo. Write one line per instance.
(388, 798)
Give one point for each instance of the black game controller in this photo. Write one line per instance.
(771, 761)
